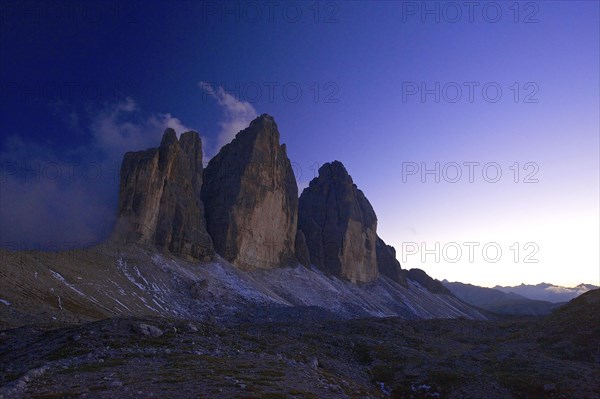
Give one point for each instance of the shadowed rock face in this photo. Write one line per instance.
(387, 263)
(251, 199)
(432, 285)
(159, 197)
(339, 225)
(302, 253)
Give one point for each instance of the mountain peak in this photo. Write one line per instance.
(169, 137)
(339, 225)
(335, 167)
(266, 117)
(251, 198)
(159, 200)
(333, 172)
(262, 120)
(189, 140)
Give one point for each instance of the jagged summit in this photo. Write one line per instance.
(332, 172)
(170, 137)
(263, 118)
(263, 123)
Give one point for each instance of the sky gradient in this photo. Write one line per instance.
(403, 93)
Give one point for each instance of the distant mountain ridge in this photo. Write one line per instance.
(548, 292)
(498, 301)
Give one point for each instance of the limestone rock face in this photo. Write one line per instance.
(339, 225)
(387, 263)
(159, 197)
(251, 199)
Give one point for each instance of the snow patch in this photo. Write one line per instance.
(122, 266)
(120, 303)
(384, 389)
(137, 272)
(60, 278)
(146, 304)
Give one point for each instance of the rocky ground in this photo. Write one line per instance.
(367, 358)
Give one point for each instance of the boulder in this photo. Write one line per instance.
(148, 330)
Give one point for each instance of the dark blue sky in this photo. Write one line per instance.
(385, 87)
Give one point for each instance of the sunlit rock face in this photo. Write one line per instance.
(251, 199)
(159, 198)
(339, 225)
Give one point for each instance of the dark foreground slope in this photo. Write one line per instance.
(367, 358)
(573, 330)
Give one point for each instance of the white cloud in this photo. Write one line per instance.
(49, 197)
(237, 114)
(116, 130)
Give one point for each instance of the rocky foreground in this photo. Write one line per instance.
(556, 357)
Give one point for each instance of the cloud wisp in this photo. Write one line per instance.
(117, 128)
(237, 114)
